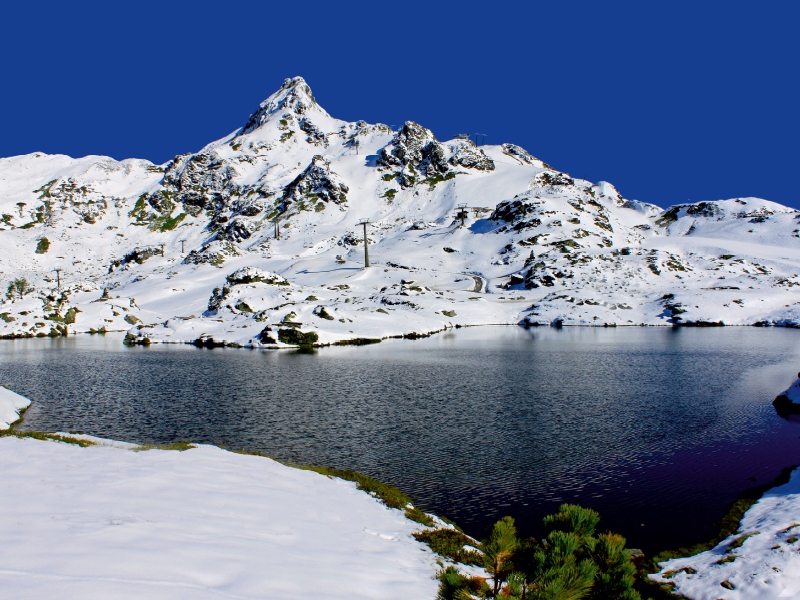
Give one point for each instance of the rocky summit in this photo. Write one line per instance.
(258, 240)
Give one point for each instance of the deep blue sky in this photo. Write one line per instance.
(667, 100)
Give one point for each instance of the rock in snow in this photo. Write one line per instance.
(490, 234)
(107, 522)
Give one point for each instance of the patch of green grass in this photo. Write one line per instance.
(419, 516)
(388, 494)
(139, 211)
(389, 194)
(244, 307)
(389, 176)
(450, 544)
(68, 318)
(737, 543)
(726, 559)
(381, 310)
(432, 181)
(295, 337)
(449, 313)
(43, 246)
(46, 437)
(323, 314)
(180, 446)
(170, 223)
(357, 341)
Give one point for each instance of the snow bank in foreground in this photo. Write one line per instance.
(10, 406)
(105, 522)
(761, 562)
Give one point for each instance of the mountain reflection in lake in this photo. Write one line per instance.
(657, 429)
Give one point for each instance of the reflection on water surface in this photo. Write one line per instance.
(658, 429)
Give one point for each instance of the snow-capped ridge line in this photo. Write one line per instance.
(294, 95)
(143, 247)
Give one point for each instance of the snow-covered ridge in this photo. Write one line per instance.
(286, 193)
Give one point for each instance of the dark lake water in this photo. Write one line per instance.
(658, 429)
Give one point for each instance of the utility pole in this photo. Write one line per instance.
(277, 229)
(162, 249)
(182, 243)
(58, 277)
(462, 213)
(365, 222)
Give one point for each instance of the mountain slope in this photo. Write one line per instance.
(189, 250)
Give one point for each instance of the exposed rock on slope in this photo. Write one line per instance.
(467, 155)
(316, 182)
(521, 155)
(294, 96)
(414, 148)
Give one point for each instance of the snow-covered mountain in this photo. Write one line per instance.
(189, 250)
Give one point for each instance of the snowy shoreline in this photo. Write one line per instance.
(99, 518)
(134, 337)
(104, 521)
(760, 561)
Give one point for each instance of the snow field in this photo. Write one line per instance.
(107, 522)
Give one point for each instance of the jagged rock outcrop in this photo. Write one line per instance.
(237, 230)
(316, 182)
(294, 96)
(521, 155)
(255, 275)
(414, 150)
(229, 294)
(553, 178)
(315, 136)
(469, 156)
(518, 212)
(197, 181)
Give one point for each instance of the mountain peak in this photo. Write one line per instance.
(294, 96)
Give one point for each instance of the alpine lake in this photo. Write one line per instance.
(658, 429)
